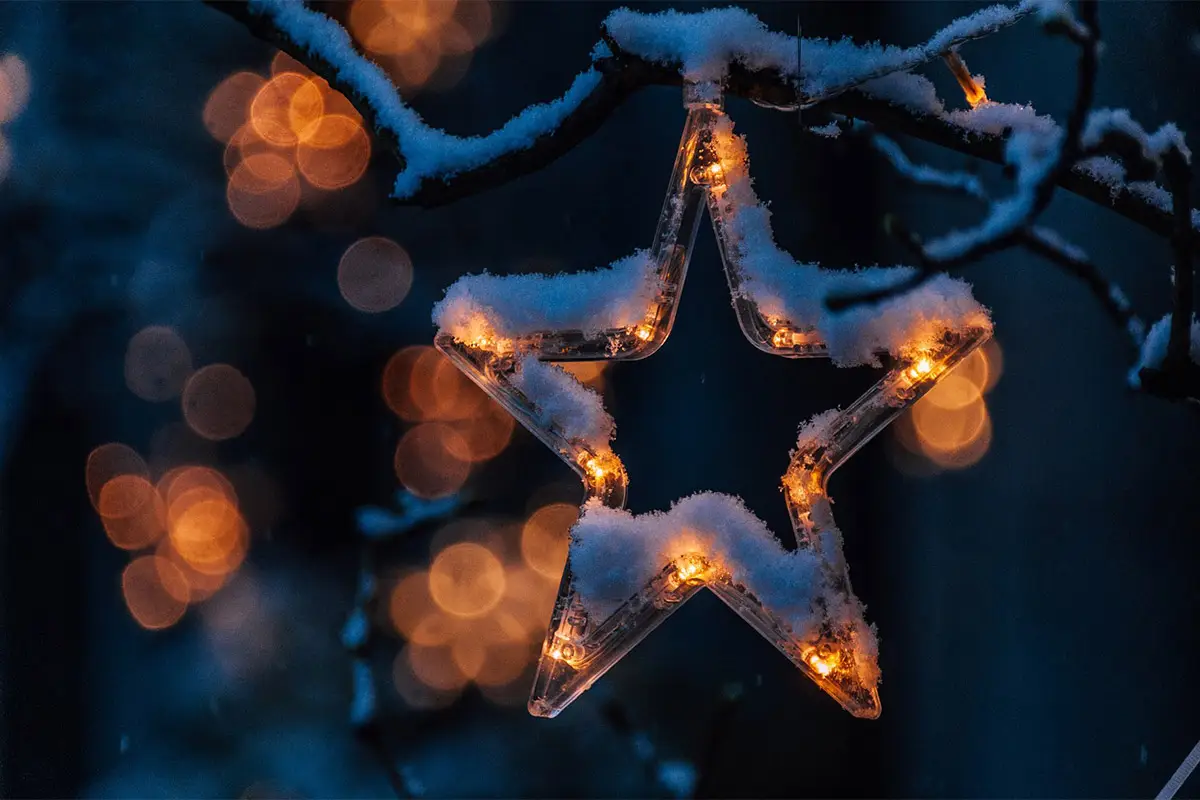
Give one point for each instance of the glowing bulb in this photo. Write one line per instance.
(923, 367)
(715, 170)
(644, 332)
(556, 654)
(972, 89)
(782, 338)
(823, 665)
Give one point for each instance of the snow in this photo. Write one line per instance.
(516, 305)
(925, 175)
(1154, 348)
(704, 44)
(1118, 120)
(428, 152)
(830, 130)
(614, 553)
(785, 289)
(564, 403)
(1111, 173)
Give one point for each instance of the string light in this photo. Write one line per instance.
(580, 646)
(971, 86)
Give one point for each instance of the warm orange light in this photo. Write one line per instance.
(466, 580)
(782, 338)
(823, 661)
(107, 462)
(228, 104)
(333, 166)
(208, 532)
(544, 538)
(271, 109)
(485, 434)
(152, 588)
(406, 367)
(644, 332)
(425, 460)
(132, 512)
(972, 89)
(263, 191)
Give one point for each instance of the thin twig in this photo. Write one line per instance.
(1012, 233)
(1178, 175)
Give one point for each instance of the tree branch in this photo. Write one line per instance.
(1179, 178)
(621, 74)
(1038, 175)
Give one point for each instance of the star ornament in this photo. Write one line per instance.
(626, 574)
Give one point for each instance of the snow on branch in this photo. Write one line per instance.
(1103, 155)
(1039, 240)
(640, 50)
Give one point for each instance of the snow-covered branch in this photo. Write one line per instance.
(867, 82)
(1102, 155)
(1039, 240)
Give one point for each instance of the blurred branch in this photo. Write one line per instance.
(375, 525)
(622, 74)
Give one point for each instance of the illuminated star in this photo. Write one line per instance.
(499, 331)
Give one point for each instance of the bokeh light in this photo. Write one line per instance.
(544, 538)
(425, 460)
(334, 153)
(397, 378)
(485, 434)
(200, 586)
(153, 588)
(132, 512)
(283, 134)
(374, 274)
(466, 580)
(228, 104)
(950, 426)
(263, 191)
(14, 87)
(472, 618)
(218, 402)
(107, 462)
(421, 43)
(157, 363)
(271, 111)
(207, 531)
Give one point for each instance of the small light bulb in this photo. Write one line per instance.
(924, 366)
(715, 169)
(644, 332)
(556, 654)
